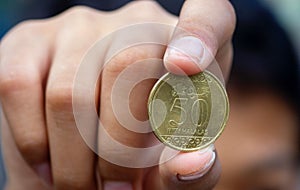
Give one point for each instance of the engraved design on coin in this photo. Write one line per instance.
(187, 124)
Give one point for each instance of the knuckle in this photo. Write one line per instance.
(78, 19)
(27, 27)
(16, 79)
(33, 147)
(59, 97)
(78, 12)
(22, 31)
(148, 6)
(118, 63)
(148, 10)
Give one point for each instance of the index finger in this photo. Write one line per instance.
(203, 28)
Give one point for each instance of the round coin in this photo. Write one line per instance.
(188, 113)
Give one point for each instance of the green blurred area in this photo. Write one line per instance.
(288, 13)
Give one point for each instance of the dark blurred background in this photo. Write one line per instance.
(286, 12)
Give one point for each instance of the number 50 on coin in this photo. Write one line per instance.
(188, 113)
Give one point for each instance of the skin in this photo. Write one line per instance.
(36, 94)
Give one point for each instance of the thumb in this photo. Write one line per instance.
(203, 27)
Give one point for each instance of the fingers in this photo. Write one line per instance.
(127, 67)
(72, 160)
(196, 170)
(23, 69)
(203, 28)
(15, 165)
(126, 83)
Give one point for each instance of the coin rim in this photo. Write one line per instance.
(222, 127)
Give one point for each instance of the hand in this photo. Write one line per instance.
(39, 60)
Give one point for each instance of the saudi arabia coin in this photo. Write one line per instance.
(188, 113)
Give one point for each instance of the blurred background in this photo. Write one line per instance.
(13, 11)
(288, 14)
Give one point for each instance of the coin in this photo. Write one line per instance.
(188, 113)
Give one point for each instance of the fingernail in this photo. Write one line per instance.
(113, 185)
(43, 171)
(208, 157)
(188, 48)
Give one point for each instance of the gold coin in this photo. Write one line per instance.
(188, 113)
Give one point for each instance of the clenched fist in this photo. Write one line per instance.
(39, 59)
